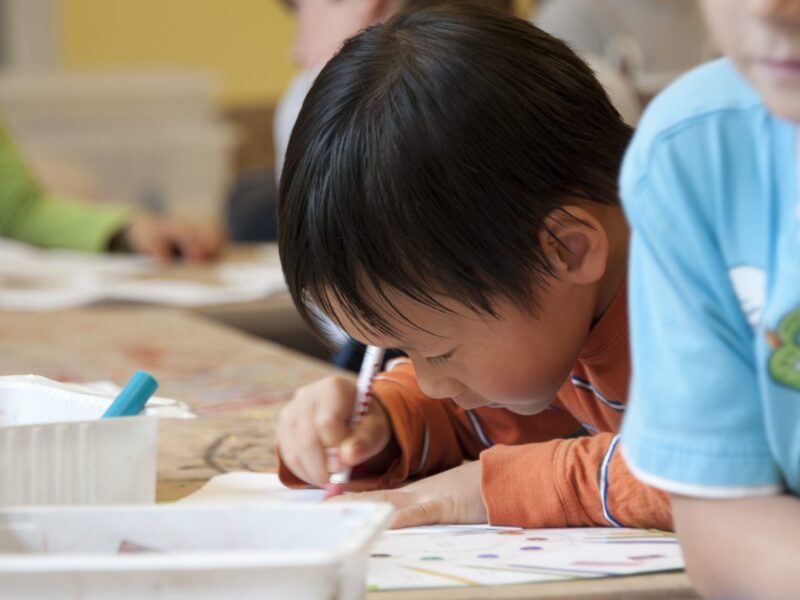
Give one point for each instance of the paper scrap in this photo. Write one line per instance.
(36, 279)
(244, 488)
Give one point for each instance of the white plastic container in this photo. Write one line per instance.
(238, 552)
(55, 449)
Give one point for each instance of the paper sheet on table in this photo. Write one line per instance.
(476, 555)
(36, 279)
(244, 487)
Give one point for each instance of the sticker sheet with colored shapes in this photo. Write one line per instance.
(460, 556)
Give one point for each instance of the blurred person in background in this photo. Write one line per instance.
(29, 214)
(651, 42)
(320, 28)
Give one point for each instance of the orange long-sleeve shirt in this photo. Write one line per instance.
(537, 470)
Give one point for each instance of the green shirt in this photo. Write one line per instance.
(29, 215)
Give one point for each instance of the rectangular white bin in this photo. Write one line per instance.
(239, 552)
(55, 449)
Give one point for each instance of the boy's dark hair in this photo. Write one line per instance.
(426, 157)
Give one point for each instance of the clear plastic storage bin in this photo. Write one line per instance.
(55, 449)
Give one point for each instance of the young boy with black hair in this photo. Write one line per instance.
(450, 190)
(710, 184)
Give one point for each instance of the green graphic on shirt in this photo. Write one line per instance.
(784, 364)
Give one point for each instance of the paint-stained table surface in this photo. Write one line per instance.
(236, 384)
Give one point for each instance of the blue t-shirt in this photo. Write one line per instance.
(710, 187)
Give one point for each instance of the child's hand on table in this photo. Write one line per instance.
(450, 497)
(318, 418)
(162, 237)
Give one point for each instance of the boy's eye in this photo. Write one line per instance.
(435, 360)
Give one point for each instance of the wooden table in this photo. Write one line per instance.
(660, 586)
(235, 383)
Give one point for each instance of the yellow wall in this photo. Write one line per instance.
(246, 42)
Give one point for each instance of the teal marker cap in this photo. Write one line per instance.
(133, 396)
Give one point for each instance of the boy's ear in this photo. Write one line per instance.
(575, 243)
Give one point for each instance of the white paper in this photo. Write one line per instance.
(484, 556)
(245, 488)
(36, 279)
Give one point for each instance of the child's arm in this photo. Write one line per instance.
(426, 436)
(550, 483)
(28, 215)
(560, 483)
(742, 548)
(568, 483)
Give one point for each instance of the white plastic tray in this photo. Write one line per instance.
(238, 552)
(55, 449)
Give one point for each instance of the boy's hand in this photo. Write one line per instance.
(318, 418)
(162, 237)
(450, 497)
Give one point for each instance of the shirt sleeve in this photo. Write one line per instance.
(694, 424)
(29, 215)
(580, 482)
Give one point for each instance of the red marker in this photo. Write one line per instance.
(373, 359)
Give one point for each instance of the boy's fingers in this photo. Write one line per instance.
(410, 513)
(330, 422)
(311, 460)
(369, 438)
(291, 461)
(422, 513)
(332, 461)
(300, 449)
